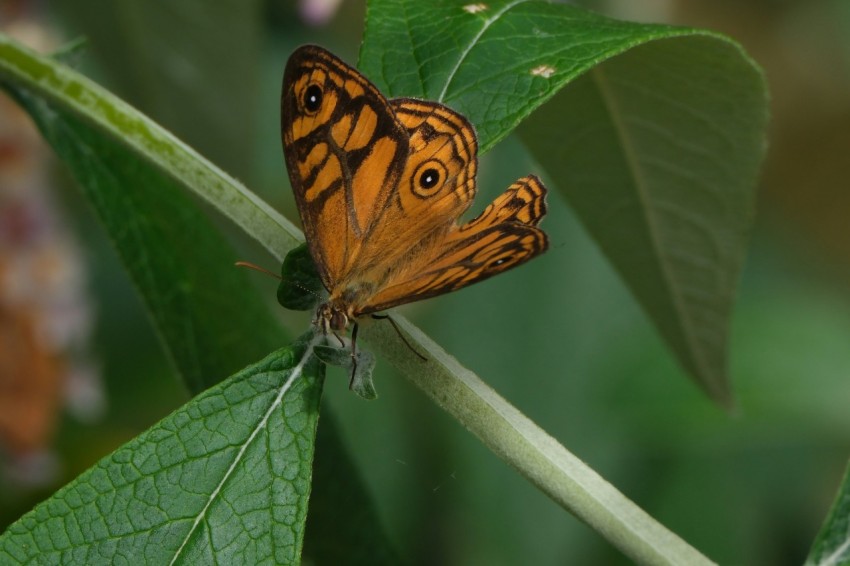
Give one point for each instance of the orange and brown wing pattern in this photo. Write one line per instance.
(381, 184)
(523, 202)
(436, 186)
(345, 152)
(504, 236)
(443, 141)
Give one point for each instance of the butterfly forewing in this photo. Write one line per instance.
(344, 156)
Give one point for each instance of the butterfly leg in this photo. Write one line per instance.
(400, 335)
(353, 354)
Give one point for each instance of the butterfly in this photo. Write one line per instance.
(380, 185)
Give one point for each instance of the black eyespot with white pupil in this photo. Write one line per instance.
(429, 178)
(312, 99)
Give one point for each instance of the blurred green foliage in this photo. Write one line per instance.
(752, 487)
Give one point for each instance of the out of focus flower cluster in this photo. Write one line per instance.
(45, 313)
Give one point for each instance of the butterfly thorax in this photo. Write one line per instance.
(348, 300)
(343, 306)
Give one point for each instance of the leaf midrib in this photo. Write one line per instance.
(683, 321)
(836, 555)
(473, 42)
(295, 373)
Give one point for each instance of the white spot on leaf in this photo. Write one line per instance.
(475, 8)
(544, 71)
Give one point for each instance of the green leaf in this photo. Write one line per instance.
(361, 382)
(832, 545)
(361, 373)
(300, 286)
(334, 355)
(659, 158)
(656, 139)
(225, 479)
(491, 64)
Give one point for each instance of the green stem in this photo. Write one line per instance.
(536, 455)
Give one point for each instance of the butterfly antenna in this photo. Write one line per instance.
(258, 268)
(353, 354)
(400, 335)
(255, 267)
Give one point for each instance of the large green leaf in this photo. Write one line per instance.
(832, 545)
(659, 158)
(494, 62)
(657, 145)
(225, 479)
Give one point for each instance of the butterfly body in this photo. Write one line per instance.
(380, 185)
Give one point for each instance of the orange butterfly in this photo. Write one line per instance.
(380, 185)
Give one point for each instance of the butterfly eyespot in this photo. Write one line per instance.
(429, 178)
(312, 99)
(496, 263)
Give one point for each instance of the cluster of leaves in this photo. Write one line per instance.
(656, 143)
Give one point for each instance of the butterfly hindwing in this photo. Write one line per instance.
(504, 236)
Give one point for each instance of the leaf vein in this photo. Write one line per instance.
(487, 23)
(296, 372)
